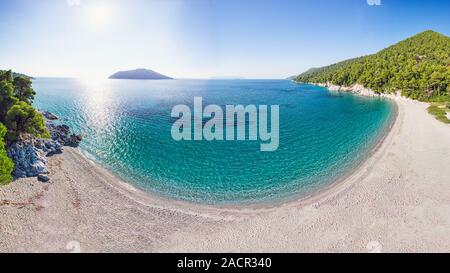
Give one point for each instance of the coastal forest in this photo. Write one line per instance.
(419, 67)
(18, 118)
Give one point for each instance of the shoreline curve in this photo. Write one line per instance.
(154, 199)
(399, 197)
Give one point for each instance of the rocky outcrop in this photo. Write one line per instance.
(29, 161)
(30, 155)
(73, 140)
(355, 88)
(49, 147)
(49, 116)
(359, 89)
(62, 134)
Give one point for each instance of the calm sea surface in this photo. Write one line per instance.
(127, 129)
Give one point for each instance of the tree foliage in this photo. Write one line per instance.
(6, 164)
(22, 118)
(23, 90)
(418, 66)
(7, 99)
(16, 110)
(19, 116)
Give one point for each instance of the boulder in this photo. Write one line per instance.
(73, 140)
(62, 135)
(49, 116)
(43, 178)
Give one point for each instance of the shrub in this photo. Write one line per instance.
(6, 164)
(22, 118)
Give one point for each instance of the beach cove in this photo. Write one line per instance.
(398, 200)
(127, 128)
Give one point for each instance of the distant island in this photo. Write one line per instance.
(139, 74)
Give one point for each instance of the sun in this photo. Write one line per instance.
(99, 16)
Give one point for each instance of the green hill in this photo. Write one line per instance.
(418, 66)
(18, 74)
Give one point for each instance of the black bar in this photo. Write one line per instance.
(225, 262)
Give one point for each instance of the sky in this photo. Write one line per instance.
(203, 38)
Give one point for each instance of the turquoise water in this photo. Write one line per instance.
(127, 125)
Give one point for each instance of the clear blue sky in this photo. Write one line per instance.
(200, 38)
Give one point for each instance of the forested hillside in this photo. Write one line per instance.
(418, 66)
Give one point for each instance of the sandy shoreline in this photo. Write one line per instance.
(399, 199)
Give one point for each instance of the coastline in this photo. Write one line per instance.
(166, 201)
(176, 204)
(395, 200)
(74, 208)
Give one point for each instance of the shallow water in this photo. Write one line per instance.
(127, 129)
